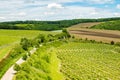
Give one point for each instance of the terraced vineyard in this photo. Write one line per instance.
(90, 61)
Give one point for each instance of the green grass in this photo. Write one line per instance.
(11, 37)
(23, 25)
(110, 25)
(89, 61)
(4, 52)
(43, 65)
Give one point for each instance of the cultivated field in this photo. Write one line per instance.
(94, 34)
(89, 61)
(83, 25)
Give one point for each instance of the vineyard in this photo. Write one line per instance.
(90, 61)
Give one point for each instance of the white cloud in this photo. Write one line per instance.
(116, 14)
(118, 6)
(53, 9)
(2, 18)
(100, 1)
(18, 14)
(21, 14)
(49, 13)
(55, 5)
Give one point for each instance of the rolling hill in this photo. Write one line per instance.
(110, 25)
(48, 25)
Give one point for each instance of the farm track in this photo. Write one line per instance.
(11, 72)
(92, 33)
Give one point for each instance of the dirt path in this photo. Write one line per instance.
(10, 72)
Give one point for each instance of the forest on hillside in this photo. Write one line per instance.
(48, 25)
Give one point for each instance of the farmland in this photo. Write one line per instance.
(60, 56)
(8, 38)
(110, 25)
(83, 30)
(89, 61)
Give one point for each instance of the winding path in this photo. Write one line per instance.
(10, 72)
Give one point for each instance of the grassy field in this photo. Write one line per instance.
(8, 38)
(89, 61)
(110, 25)
(42, 65)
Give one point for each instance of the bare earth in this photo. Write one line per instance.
(10, 72)
(80, 31)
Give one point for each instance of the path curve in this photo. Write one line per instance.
(10, 72)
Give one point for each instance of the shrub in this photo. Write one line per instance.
(24, 57)
(86, 39)
(73, 36)
(112, 42)
(25, 43)
(16, 67)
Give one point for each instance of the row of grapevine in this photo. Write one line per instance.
(88, 61)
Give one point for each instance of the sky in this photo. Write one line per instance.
(12, 10)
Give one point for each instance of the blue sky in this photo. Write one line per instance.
(11, 10)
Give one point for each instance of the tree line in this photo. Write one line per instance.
(48, 25)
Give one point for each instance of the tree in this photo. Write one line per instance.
(25, 43)
(67, 34)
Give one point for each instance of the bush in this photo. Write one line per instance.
(25, 43)
(16, 67)
(112, 42)
(86, 39)
(24, 57)
(73, 37)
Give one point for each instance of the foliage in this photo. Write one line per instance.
(112, 42)
(25, 57)
(88, 61)
(10, 51)
(25, 43)
(16, 67)
(48, 25)
(43, 65)
(111, 25)
(10, 59)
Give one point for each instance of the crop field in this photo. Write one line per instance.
(83, 25)
(80, 31)
(8, 38)
(89, 61)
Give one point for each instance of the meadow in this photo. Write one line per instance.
(89, 61)
(42, 65)
(9, 38)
